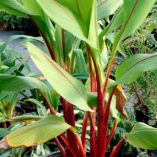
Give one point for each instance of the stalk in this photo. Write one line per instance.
(111, 135)
(65, 143)
(100, 139)
(106, 117)
(116, 148)
(49, 106)
(93, 152)
(60, 147)
(51, 51)
(81, 152)
(84, 129)
(47, 36)
(92, 117)
(70, 119)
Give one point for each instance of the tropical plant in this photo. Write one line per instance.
(143, 41)
(70, 31)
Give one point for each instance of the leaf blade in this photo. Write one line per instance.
(106, 8)
(36, 133)
(143, 136)
(77, 17)
(134, 66)
(68, 87)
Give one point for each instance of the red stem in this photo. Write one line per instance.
(84, 129)
(93, 116)
(60, 147)
(49, 47)
(107, 78)
(64, 141)
(70, 119)
(46, 41)
(52, 111)
(111, 135)
(106, 118)
(116, 148)
(100, 111)
(93, 150)
(82, 152)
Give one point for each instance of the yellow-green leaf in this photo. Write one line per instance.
(35, 133)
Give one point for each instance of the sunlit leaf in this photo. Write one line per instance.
(143, 136)
(76, 16)
(67, 86)
(35, 133)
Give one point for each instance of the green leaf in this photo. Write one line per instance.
(80, 61)
(76, 16)
(33, 7)
(15, 37)
(67, 86)
(104, 56)
(131, 10)
(107, 7)
(36, 102)
(143, 136)
(125, 21)
(19, 83)
(35, 133)
(14, 7)
(135, 9)
(134, 66)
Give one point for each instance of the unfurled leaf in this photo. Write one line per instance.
(143, 136)
(67, 86)
(107, 7)
(76, 16)
(35, 133)
(134, 66)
